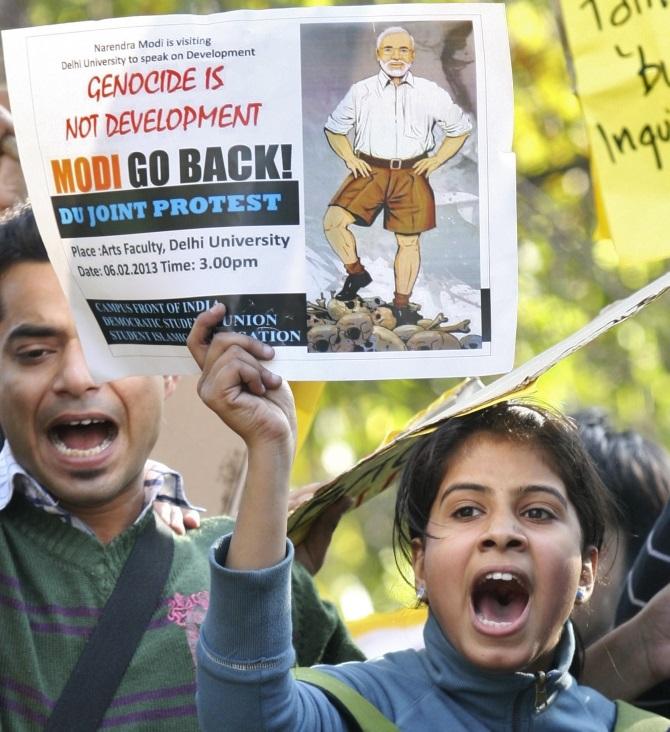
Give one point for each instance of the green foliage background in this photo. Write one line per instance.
(564, 280)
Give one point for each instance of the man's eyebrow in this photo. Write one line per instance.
(26, 330)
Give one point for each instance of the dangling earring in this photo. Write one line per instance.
(421, 593)
(580, 595)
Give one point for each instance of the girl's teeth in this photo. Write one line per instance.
(500, 576)
(492, 623)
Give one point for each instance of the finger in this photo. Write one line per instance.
(177, 521)
(234, 352)
(171, 515)
(362, 169)
(334, 512)
(191, 518)
(199, 338)
(206, 346)
(251, 376)
(237, 345)
(162, 510)
(233, 368)
(297, 498)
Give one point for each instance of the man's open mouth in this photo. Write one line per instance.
(82, 437)
(499, 599)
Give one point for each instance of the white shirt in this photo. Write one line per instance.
(392, 121)
(159, 480)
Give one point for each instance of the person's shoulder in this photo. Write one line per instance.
(581, 700)
(395, 667)
(364, 83)
(428, 85)
(393, 682)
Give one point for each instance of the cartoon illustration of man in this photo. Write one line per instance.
(393, 116)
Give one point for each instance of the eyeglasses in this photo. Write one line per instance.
(403, 51)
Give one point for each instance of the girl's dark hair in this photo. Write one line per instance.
(525, 423)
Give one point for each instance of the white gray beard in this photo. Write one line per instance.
(395, 72)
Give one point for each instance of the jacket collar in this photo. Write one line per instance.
(496, 695)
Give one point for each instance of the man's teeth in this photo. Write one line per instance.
(74, 452)
(77, 452)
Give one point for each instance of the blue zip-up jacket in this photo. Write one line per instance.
(245, 683)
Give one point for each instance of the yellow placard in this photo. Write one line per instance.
(621, 54)
(306, 395)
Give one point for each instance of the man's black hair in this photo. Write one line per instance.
(20, 241)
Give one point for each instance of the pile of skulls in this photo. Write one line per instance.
(368, 324)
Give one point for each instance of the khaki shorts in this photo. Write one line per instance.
(405, 197)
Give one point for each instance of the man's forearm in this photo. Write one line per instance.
(340, 145)
(449, 147)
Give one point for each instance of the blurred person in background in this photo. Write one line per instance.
(637, 473)
(12, 185)
(633, 660)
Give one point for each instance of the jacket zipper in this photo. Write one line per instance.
(516, 712)
(540, 691)
(540, 702)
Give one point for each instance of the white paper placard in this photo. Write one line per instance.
(177, 161)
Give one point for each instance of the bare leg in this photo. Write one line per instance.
(336, 224)
(407, 263)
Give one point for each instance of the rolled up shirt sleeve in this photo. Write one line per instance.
(343, 116)
(449, 116)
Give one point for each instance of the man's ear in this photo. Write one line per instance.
(169, 385)
(418, 554)
(587, 577)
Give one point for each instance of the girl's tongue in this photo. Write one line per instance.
(498, 600)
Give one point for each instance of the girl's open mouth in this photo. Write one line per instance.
(500, 601)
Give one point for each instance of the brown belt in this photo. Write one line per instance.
(393, 163)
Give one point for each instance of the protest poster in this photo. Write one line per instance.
(622, 68)
(381, 469)
(177, 161)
